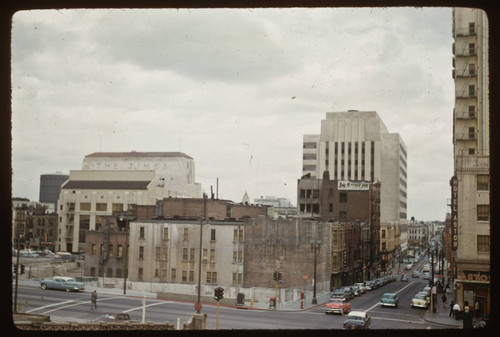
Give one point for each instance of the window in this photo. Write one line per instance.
(191, 276)
(483, 182)
(383, 233)
(342, 215)
(472, 111)
(164, 255)
(343, 197)
(205, 255)
(483, 212)
(163, 274)
(309, 168)
(140, 274)
(212, 235)
(93, 249)
(101, 206)
(472, 133)
(309, 156)
(111, 251)
(240, 256)
(120, 250)
(71, 206)
(192, 255)
(483, 243)
(157, 273)
(185, 236)
(472, 49)
(85, 206)
(184, 254)
(117, 207)
(302, 193)
(173, 276)
(472, 151)
(141, 252)
(330, 208)
(309, 145)
(237, 278)
(240, 239)
(141, 232)
(184, 276)
(212, 255)
(235, 235)
(472, 91)
(471, 28)
(211, 277)
(165, 233)
(472, 69)
(158, 253)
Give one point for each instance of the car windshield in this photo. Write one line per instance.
(420, 296)
(355, 318)
(336, 300)
(389, 296)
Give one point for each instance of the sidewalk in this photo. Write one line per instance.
(441, 317)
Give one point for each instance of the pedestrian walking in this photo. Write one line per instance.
(93, 301)
(444, 300)
(451, 314)
(476, 309)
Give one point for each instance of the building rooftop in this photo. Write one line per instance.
(137, 154)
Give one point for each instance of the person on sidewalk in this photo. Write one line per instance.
(456, 310)
(451, 314)
(444, 300)
(93, 301)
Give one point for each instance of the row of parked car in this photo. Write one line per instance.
(422, 299)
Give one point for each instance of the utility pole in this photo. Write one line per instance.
(198, 303)
(315, 245)
(17, 268)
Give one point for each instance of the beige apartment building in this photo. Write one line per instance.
(470, 187)
(166, 253)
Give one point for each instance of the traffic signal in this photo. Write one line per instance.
(15, 268)
(22, 269)
(218, 294)
(275, 276)
(280, 276)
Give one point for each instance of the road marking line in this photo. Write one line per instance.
(50, 305)
(398, 320)
(400, 290)
(75, 304)
(149, 305)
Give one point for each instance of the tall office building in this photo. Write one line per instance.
(356, 146)
(470, 188)
(50, 187)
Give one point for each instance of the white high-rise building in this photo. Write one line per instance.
(356, 146)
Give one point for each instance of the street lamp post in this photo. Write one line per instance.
(198, 303)
(315, 245)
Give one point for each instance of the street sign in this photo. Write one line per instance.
(197, 306)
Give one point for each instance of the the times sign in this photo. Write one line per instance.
(454, 213)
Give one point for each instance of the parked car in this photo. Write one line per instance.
(337, 306)
(389, 299)
(377, 283)
(426, 294)
(427, 289)
(61, 283)
(420, 301)
(355, 290)
(368, 285)
(409, 266)
(361, 287)
(342, 293)
(349, 293)
(415, 273)
(113, 317)
(426, 267)
(404, 278)
(357, 320)
(426, 275)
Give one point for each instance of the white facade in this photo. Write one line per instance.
(167, 251)
(88, 195)
(356, 146)
(174, 170)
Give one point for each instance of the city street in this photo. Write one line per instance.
(62, 306)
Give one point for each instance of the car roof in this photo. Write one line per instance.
(64, 278)
(389, 294)
(357, 313)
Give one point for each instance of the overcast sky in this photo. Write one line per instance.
(236, 89)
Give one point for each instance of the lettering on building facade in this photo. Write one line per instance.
(352, 186)
(454, 212)
(478, 276)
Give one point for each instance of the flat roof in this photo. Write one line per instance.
(137, 154)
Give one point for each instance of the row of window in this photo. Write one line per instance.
(188, 276)
(237, 234)
(99, 206)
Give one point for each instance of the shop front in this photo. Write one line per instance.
(473, 289)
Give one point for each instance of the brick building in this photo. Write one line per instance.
(37, 229)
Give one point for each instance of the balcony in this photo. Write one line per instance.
(470, 31)
(466, 116)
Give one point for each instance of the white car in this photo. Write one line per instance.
(361, 287)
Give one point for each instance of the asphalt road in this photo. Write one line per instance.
(62, 306)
